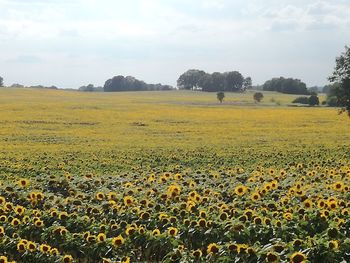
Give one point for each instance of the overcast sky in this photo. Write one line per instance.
(74, 43)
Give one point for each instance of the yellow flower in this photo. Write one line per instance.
(54, 251)
(101, 237)
(23, 182)
(272, 257)
(126, 260)
(44, 248)
(156, 232)
(297, 257)
(67, 259)
(172, 231)
(3, 259)
(31, 246)
(240, 190)
(333, 244)
(15, 222)
(100, 196)
(197, 253)
(128, 200)
(212, 248)
(118, 241)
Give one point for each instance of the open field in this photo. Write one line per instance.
(171, 176)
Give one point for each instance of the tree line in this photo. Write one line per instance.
(195, 79)
(129, 83)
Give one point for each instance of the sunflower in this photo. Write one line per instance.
(212, 248)
(118, 241)
(31, 246)
(128, 200)
(54, 252)
(130, 230)
(156, 232)
(333, 244)
(125, 260)
(197, 253)
(44, 248)
(240, 190)
(297, 257)
(308, 203)
(101, 237)
(100, 196)
(23, 182)
(39, 223)
(67, 259)
(332, 204)
(3, 259)
(272, 257)
(15, 222)
(172, 231)
(21, 247)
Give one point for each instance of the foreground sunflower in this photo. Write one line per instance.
(118, 241)
(297, 257)
(213, 248)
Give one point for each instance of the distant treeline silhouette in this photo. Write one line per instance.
(129, 83)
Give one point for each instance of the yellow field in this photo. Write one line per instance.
(60, 120)
(171, 177)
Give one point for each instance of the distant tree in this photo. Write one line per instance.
(247, 83)
(220, 96)
(314, 100)
(341, 75)
(206, 83)
(218, 81)
(233, 81)
(258, 96)
(16, 85)
(313, 90)
(129, 83)
(1, 82)
(190, 79)
(286, 85)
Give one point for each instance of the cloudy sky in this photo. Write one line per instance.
(73, 43)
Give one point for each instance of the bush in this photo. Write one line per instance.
(301, 100)
(258, 96)
(332, 101)
(314, 100)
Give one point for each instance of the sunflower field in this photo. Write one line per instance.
(171, 177)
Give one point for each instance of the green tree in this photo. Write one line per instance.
(341, 75)
(190, 79)
(1, 82)
(247, 83)
(220, 96)
(258, 96)
(314, 100)
(286, 85)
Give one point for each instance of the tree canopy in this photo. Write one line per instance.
(286, 85)
(195, 79)
(1, 82)
(341, 76)
(129, 83)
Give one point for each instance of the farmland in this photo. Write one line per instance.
(171, 176)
